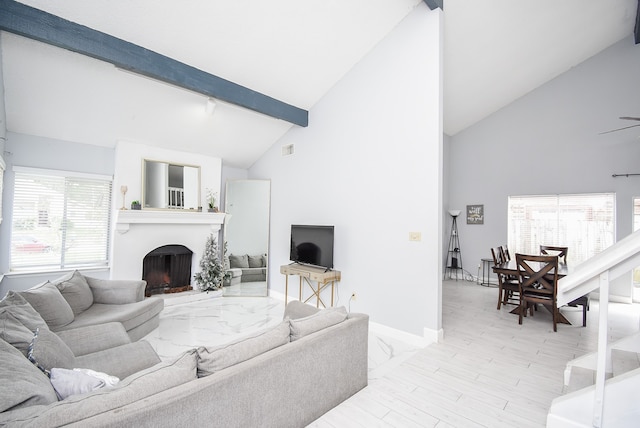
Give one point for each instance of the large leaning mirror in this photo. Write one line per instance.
(246, 234)
(170, 186)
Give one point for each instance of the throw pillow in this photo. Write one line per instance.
(296, 309)
(213, 359)
(47, 351)
(16, 305)
(302, 327)
(47, 300)
(255, 261)
(22, 383)
(75, 290)
(72, 382)
(14, 332)
(239, 261)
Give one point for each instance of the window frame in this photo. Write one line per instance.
(30, 263)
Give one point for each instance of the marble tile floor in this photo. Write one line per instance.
(210, 319)
(489, 371)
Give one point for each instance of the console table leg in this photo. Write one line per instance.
(286, 289)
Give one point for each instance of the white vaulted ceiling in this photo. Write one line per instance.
(295, 51)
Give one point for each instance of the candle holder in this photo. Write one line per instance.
(123, 189)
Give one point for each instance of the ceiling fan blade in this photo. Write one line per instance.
(619, 129)
(630, 118)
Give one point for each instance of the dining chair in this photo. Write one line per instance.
(507, 287)
(506, 256)
(551, 250)
(538, 283)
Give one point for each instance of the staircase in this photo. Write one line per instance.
(602, 389)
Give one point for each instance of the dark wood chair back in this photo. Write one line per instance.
(507, 286)
(538, 279)
(560, 252)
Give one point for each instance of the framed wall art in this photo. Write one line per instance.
(475, 214)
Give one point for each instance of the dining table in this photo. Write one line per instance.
(510, 268)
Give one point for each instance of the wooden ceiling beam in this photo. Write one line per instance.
(35, 24)
(433, 4)
(636, 31)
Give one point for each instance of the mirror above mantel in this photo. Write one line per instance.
(170, 186)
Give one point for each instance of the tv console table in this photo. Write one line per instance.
(309, 275)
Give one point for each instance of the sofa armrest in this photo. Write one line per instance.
(116, 291)
(94, 338)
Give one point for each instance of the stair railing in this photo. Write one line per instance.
(597, 272)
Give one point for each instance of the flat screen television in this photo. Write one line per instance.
(312, 245)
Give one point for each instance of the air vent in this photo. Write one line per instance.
(287, 150)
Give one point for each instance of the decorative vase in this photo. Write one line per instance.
(135, 206)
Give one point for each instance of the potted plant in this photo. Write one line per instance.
(211, 198)
(135, 205)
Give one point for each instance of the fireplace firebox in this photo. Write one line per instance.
(167, 269)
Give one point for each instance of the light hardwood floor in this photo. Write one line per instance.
(489, 371)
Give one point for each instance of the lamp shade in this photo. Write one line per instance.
(454, 213)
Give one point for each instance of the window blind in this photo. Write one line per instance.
(60, 221)
(583, 222)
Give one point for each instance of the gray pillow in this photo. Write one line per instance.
(216, 358)
(22, 383)
(14, 332)
(16, 305)
(47, 351)
(256, 261)
(47, 300)
(75, 290)
(239, 261)
(296, 309)
(302, 327)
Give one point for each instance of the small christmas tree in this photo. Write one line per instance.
(212, 274)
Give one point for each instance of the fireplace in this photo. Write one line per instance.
(139, 233)
(167, 269)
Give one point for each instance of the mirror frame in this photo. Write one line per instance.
(230, 214)
(143, 196)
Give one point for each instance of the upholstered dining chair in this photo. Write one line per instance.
(507, 287)
(538, 280)
(551, 250)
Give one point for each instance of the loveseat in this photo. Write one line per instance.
(246, 268)
(283, 376)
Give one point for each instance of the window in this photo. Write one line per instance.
(60, 220)
(585, 223)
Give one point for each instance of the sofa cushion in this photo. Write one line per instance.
(131, 315)
(27, 386)
(48, 301)
(15, 333)
(296, 309)
(75, 290)
(303, 326)
(216, 358)
(256, 261)
(239, 261)
(47, 351)
(16, 305)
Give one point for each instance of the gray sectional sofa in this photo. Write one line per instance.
(245, 268)
(75, 300)
(284, 376)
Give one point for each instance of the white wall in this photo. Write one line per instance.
(370, 164)
(547, 142)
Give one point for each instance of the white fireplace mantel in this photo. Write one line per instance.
(125, 218)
